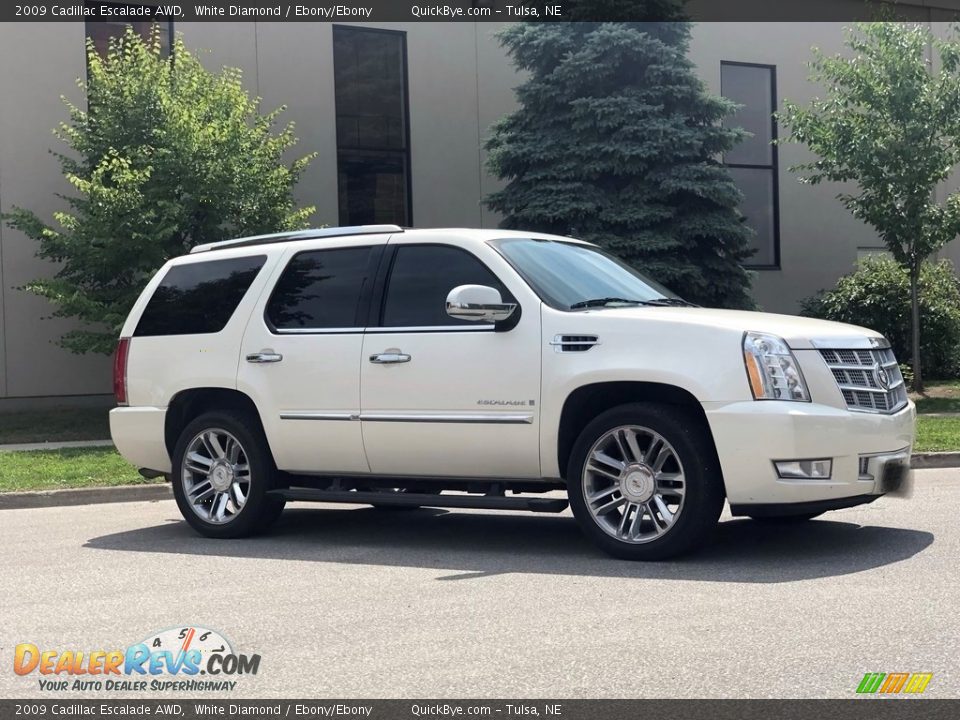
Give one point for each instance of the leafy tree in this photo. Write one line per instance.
(616, 141)
(166, 156)
(889, 124)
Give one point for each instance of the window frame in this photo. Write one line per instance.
(405, 151)
(378, 305)
(376, 254)
(773, 168)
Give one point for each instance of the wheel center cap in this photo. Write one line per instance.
(637, 483)
(221, 476)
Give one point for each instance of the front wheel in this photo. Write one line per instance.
(222, 471)
(644, 482)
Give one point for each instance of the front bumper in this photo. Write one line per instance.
(870, 452)
(138, 433)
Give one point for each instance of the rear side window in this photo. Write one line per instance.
(421, 278)
(198, 298)
(320, 289)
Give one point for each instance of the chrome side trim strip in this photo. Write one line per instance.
(475, 419)
(318, 416)
(479, 418)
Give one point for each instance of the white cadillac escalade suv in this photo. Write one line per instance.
(484, 369)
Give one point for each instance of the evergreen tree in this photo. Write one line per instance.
(617, 142)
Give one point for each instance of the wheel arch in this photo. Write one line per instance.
(587, 401)
(189, 404)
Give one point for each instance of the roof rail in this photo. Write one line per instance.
(298, 235)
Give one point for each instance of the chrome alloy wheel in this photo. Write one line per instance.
(216, 476)
(633, 483)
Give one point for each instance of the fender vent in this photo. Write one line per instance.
(574, 343)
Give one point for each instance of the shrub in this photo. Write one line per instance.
(877, 296)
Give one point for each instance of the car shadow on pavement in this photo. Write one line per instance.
(476, 545)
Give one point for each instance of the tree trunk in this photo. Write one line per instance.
(915, 325)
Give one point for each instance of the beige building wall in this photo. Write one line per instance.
(460, 82)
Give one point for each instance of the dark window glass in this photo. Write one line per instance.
(373, 158)
(753, 163)
(421, 278)
(198, 298)
(320, 289)
(101, 31)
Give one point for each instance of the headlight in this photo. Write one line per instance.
(772, 369)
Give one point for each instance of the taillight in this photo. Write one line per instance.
(120, 371)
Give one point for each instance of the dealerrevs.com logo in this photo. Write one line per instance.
(187, 659)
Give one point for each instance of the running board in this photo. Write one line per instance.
(479, 502)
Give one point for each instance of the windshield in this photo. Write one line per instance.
(569, 276)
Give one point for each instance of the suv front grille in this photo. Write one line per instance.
(860, 376)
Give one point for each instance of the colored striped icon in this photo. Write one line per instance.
(893, 683)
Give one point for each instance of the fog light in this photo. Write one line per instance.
(865, 468)
(804, 469)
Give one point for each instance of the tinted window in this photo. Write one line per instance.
(753, 163)
(199, 297)
(420, 280)
(320, 289)
(373, 156)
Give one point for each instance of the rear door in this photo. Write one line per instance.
(442, 396)
(301, 353)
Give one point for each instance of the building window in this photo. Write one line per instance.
(101, 31)
(373, 139)
(753, 163)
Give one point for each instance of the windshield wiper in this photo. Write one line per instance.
(670, 302)
(604, 302)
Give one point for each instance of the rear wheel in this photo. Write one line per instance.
(644, 482)
(222, 471)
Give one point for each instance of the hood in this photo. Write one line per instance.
(800, 333)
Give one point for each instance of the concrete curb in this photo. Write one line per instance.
(85, 496)
(21, 447)
(924, 461)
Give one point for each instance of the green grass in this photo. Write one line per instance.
(937, 434)
(53, 424)
(66, 468)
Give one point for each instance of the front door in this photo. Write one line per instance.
(441, 396)
(300, 357)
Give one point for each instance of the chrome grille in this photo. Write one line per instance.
(858, 375)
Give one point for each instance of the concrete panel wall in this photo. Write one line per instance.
(818, 236)
(460, 82)
(30, 176)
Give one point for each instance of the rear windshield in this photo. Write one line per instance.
(198, 298)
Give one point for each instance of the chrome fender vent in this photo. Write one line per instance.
(574, 343)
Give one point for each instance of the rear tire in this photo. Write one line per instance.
(222, 471)
(644, 481)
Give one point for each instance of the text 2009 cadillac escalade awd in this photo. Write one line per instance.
(483, 369)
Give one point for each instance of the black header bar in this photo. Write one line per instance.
(58, 708)
(382, 11)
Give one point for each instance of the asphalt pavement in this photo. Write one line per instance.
(349, 601)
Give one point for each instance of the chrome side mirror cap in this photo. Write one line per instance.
(478, 303)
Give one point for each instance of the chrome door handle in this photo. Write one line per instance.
(390, 356)
(265, 356)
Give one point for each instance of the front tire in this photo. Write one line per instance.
(644, 481)
(222, 471)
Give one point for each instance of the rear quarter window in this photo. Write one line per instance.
(198, 298)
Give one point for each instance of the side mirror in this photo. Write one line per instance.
(478, 303)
